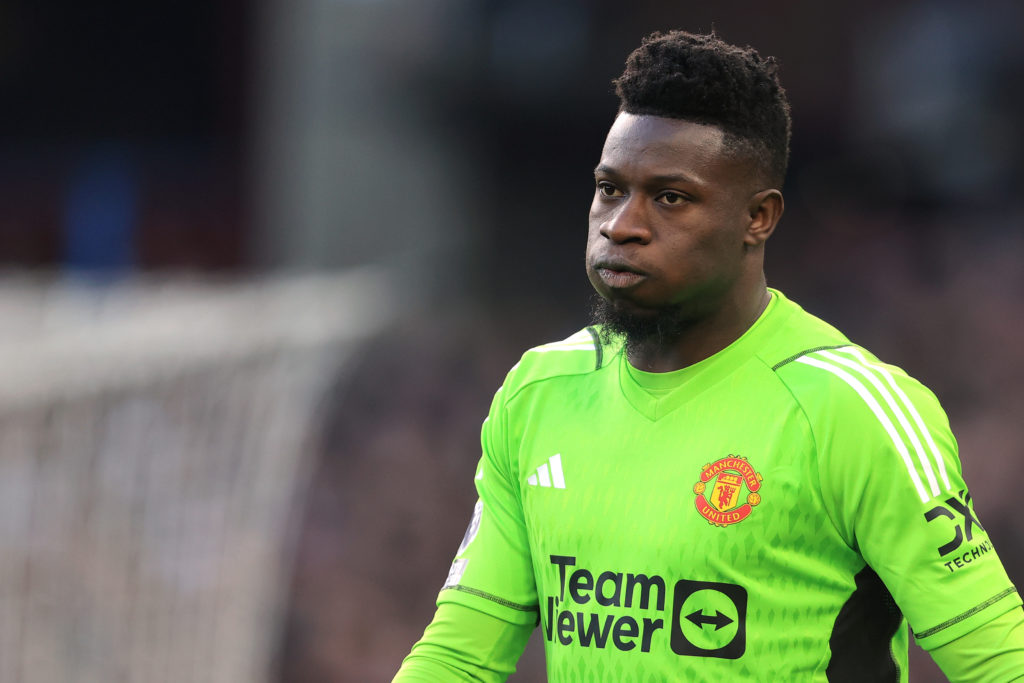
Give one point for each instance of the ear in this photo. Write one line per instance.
(765, 209)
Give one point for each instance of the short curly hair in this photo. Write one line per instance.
(703, 79)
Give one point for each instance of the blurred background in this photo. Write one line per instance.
(265, 263)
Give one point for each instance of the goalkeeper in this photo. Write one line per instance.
(709, 483)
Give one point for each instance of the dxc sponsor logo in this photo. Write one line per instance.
(963, 530)
(708, 619)
(965, 512)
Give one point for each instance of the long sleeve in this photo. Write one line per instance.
(462, 644)
(992, 652)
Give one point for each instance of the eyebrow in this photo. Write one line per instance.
(602, 169)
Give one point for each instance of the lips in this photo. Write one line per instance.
(618, 274)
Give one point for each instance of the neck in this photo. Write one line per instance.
(704, 337)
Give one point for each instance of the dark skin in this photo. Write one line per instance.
(678, 223)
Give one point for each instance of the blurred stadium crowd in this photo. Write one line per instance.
(453, 142)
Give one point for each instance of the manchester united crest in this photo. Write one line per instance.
(727, 479)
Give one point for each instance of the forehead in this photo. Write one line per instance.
(642, 145)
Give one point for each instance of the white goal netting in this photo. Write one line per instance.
(153, 439)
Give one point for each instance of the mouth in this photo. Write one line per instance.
(618, 274)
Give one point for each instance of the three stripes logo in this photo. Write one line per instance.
(549, 475)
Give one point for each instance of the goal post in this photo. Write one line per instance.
(155, 436)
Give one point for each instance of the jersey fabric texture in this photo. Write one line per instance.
(778, 511)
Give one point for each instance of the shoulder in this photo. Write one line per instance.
(866, 415)
(822, 367)
(847, 379)
(578, 354)
(847, 393)
(870, 420)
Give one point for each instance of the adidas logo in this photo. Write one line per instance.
(549, 475)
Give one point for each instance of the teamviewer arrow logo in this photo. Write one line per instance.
(709, 619)
(718, 621)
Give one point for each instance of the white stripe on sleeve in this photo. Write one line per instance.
(881, 369)
(900, 417)
(879, 413)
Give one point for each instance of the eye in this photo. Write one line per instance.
(606, 189)
(672, 198)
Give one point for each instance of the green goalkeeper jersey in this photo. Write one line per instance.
(778, 511)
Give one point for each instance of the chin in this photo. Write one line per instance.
(637, 324)
(629, 304)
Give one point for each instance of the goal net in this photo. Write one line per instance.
(154, 438)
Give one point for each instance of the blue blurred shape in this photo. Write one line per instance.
(100, 213)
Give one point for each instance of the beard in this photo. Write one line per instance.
(653, 329)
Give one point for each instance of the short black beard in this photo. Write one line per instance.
(655, 330)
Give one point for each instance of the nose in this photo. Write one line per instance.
(626, 222)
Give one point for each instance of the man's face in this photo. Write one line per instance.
(668, 220)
